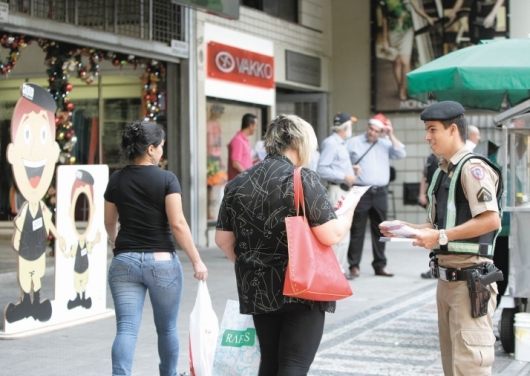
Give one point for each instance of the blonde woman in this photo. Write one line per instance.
(251, 232)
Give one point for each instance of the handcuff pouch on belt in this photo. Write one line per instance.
(433, 265)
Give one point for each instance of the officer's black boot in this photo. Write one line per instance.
(86, 302)
(22, 310)
(74, 303)
(42, 311)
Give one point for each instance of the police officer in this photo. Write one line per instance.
(463, 221)
(335, 167)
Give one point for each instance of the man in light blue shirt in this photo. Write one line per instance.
(372, 152)
(335, 167)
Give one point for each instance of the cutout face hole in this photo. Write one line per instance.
(82, 208)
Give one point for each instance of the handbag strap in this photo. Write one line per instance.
(298, 191)
(366, 152)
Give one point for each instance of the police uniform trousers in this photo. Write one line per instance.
(341, 248)
(373, 205)
(466, 343)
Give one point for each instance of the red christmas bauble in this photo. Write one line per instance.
(70, 106)
(68, 87)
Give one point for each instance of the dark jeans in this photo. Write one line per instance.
(373, 205)
(289, 339)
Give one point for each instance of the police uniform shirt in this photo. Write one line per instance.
(479, 183)
(375, 164)
(334, 162)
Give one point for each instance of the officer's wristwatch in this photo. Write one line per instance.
(442, 238)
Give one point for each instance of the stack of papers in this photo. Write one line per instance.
(401, 232)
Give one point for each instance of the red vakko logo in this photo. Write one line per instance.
(236, 65)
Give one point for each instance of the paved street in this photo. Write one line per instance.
(387, 328)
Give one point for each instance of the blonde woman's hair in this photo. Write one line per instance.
(291, 132)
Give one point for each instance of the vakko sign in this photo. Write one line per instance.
(241, 66)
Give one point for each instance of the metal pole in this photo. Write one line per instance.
(76, 12)
(106, 27)
(150, 19)
(101, 116)
(142, 19)
(115, 17)
(194, 165)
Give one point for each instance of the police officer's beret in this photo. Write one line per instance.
(442, 111)
(84, 176)
(38, 95)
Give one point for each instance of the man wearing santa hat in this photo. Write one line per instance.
(372, 151)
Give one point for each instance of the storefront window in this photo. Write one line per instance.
(223, 123)
(100, 112)
(118, 112)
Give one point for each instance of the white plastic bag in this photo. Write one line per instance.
(204, 329)
(237, 352)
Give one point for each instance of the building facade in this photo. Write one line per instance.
(308, 57)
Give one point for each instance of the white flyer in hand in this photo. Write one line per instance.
(399, 229)
(353, 197)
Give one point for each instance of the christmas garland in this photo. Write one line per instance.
(62, 59)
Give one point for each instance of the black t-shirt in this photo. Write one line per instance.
(139, 193)
(254, 208)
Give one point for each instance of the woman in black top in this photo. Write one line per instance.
(146, 200)
(251, 232)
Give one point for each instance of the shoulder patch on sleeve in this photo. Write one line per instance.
(484, 195)
(478, 172)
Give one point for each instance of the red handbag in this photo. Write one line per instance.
(313, 272)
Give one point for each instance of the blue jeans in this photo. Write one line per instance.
(131, 274)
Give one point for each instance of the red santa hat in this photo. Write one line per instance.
(379, 120)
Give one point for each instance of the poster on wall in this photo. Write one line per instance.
(407, 34)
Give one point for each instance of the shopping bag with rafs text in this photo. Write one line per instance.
(237, 352)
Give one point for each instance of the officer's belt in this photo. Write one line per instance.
(453, 275)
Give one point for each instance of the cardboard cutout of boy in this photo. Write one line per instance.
(32, 153)
(83, 184)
